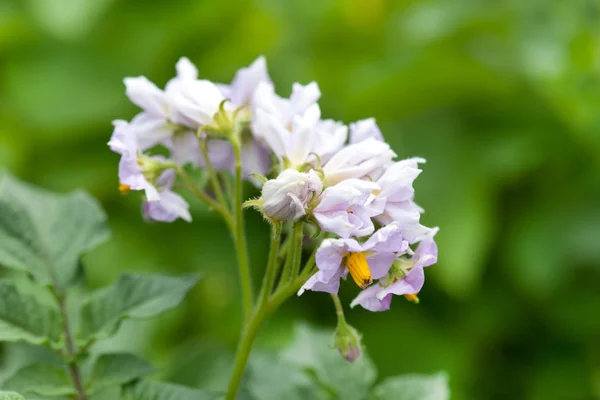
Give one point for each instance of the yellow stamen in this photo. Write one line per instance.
(359, 269)
(124, 189)
(412, 298)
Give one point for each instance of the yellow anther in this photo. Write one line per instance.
(359, 269)
(124, 189)
(412, 298)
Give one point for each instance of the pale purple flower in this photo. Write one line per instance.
(364, 129)
(123, 142)
(307, 139)
(285, 198)
(284, 110)
(397, 194)
(161, 203)
(378, 297)
(170, 205)
(255, 156)
(241, 90)
(346, 209)
(359, 160)
(193, 102)
(380, 251)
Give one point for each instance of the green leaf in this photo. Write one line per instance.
(272, 379)
(413, 387)
(117, 369)
(41, 379)
(23, 318)
(151, 390)
(132, 296)
(10, 396)
(44, 233)
(312, 349)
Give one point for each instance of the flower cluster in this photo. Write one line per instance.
(343, 179)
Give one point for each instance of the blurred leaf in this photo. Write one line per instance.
(117, 369)
(23, 318)
(45, 234)
(132, 296)
(272, 379)
(41, 379)
(312, 349)
(151, 390)
(10, 396)
(67, 19)
(413, 387)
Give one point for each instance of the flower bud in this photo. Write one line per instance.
(347, 341)
(286, 197)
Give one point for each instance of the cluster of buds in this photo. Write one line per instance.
(342, 179)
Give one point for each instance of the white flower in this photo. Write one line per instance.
(397, 195)
(364, 129)
(241, 90)
(285, 198)
(307, 138)
(359, 160)
(346, 209)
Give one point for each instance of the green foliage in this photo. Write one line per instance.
(45, 234)
(150, 390)
(412, 387)
(23, 318)
(132, 296)
(41, 379)
(10, 396)
(117, 369)
(313, 350)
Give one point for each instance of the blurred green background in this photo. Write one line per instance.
(502, 98)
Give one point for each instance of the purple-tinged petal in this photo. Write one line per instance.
(412, 283)
(150, 130)
(246, 80)
(380, 263)
(364, 129)
(317, 283)
(167, 208)
(358, 160)
(387, 239)
(185, 149)
(146, 95)
(368, 299)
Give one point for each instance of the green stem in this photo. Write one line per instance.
(339, 310)
(264, 309)
(272, 265)
(297, 249)
(239, 235)
(205, 198)
(213, 175)
(70, 350)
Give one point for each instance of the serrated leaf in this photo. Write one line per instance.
(23, 318)
(41, 379)
(413, 387)
(132, 296)
(117, 369)
(271, 379)
(312, 349)
(151, 390)
(44, 233)
(10, 396)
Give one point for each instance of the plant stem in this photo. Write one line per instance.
(70, 349)
(239, 234)
(272, 265)
(339, 310)
(253, 327)
(205, 198)
(297, 249)
(213, 175)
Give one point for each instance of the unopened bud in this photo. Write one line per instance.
(285, 198)
(347, 341)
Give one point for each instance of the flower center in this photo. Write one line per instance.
(124, 189)
(359, 269)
